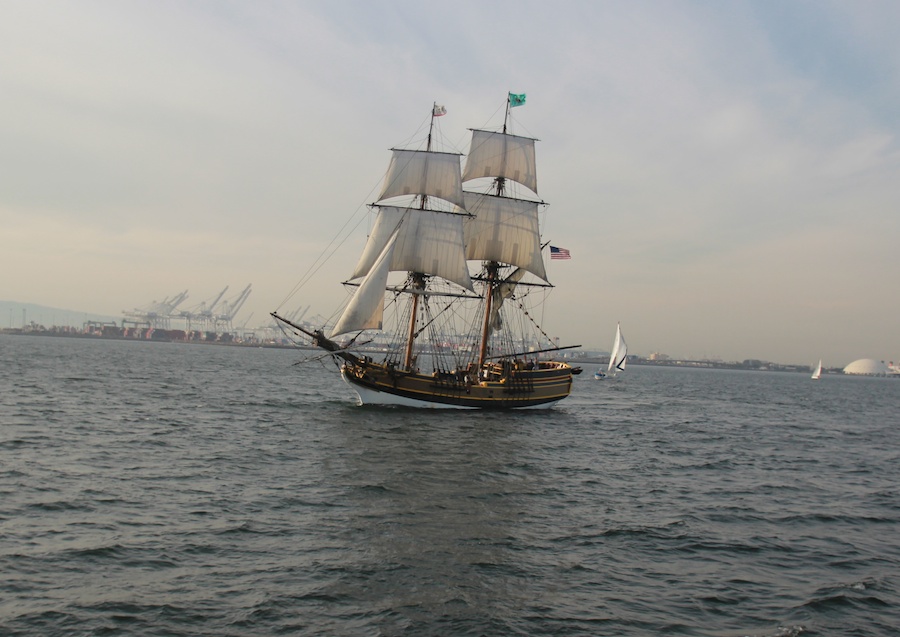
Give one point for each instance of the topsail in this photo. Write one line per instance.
(428, 173)
(502, 155)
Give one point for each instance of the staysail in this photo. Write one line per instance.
(501, 292)
(366, 309)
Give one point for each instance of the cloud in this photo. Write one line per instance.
(702, 162)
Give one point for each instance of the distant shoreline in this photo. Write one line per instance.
(50, 333)
(752, 365)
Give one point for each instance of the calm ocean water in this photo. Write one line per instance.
(170, 489)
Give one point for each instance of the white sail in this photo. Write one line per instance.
(366, 309)
(817, 373)
(502, 155)
(419, 172)
(429, 242)
(504, 230)
(619, 353)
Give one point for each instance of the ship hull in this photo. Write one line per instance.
(378, 384)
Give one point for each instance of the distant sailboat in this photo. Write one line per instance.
(618, 355)
(817, 374)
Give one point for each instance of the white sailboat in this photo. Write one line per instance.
(617, 357)
(817, 373)
(475, 331)
(619, 354)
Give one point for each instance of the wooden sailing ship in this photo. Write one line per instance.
(460, 340)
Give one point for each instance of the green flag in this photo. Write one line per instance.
(516, 99)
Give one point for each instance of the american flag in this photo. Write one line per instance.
(559, 253)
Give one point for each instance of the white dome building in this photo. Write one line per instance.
(867, 367)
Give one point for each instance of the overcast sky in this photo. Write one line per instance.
(725, 174)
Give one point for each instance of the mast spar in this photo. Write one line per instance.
(418, 278)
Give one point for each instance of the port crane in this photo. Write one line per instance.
(230, 309)
(158, 313)
(203, 313)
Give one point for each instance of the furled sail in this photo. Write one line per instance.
(366, 309)
(419, 172)
(504, 230)
(428, 241)
(500, 294)
(502, 155)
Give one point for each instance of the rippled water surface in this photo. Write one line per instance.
(172, 489)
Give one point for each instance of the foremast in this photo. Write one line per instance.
(492, 267)
(418, 278)
(423, 237)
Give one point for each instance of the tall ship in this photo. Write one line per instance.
(450, 287)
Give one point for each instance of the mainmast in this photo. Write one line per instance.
(415, 238)
(500, 182)
(492, 267)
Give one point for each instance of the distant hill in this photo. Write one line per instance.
(11, 315)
